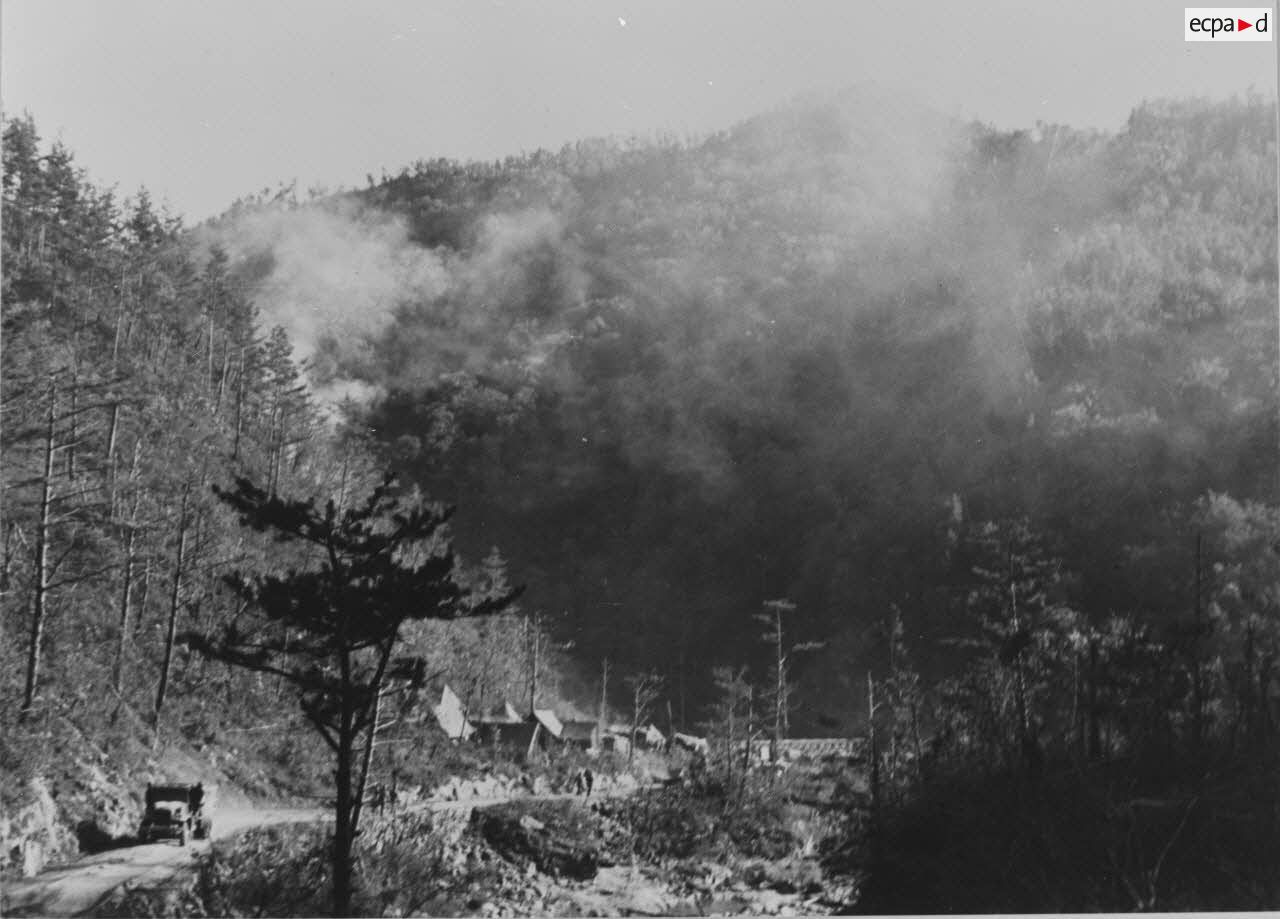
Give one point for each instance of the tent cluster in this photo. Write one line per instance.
(541, 731)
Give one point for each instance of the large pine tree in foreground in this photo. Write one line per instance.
(331, 626)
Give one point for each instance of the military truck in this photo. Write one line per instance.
(177, 812)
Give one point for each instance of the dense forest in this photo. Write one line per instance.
(819, 355)
(995, 412)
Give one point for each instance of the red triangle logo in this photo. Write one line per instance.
(1242, 25)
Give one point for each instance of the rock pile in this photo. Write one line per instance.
(527, 839)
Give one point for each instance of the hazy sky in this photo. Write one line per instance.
(204, 102)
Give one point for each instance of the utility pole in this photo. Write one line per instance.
(604, 698)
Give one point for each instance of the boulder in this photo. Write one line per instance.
(525, 839)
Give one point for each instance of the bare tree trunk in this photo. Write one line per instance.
(730, 743)
(235, 443)
(174, 596)
(40, 589)
(635, 724)
(344, 825)
(366, 760)
(222, 379)
(144, 591)
(112, 430)
(6, 573)
(115, 346)
(126, 591)
(684, 653)
(276, 449)
(1095, 728)
(209, 378)
(1028, 744)
(533, 636)
(71, 438)
(873, 749)
(874, 829)
(780, 688)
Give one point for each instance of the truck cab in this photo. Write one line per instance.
(176, 812)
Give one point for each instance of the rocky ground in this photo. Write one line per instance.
(581, 858)
(528, 857)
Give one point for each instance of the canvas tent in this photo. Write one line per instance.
(449, 716)
(547, 718)
(649, 736)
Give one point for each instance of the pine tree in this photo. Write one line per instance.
(331, 627)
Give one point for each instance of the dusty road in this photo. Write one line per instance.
(74, 889)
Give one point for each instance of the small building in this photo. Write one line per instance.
(521, 739)
(697, 745)
(650, 737)
(808, 750)
(819, 749)
(613, 741)
(580, 734)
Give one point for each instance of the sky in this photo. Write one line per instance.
(203, 103)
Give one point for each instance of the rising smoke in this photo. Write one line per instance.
(758, 365)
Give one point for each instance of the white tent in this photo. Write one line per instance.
(547, 718)
(450, 717)
(653, 737)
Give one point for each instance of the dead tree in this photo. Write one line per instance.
(780, 691)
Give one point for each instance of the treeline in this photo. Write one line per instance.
(137, 375)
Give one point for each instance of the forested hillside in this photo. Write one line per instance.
(997, 411)
(138, 375)
(815, 355)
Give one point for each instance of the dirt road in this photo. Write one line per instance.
(74, 889)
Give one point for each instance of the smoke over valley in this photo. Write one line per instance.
(800, 358)
(667, 483)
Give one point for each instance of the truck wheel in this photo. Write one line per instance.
(182, 836)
